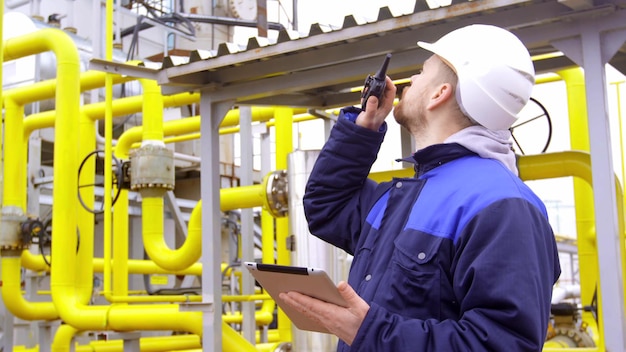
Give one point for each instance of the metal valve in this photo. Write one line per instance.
(152, 170)
(277, 193)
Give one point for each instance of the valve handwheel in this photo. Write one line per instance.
(118, 180)
(533, 126)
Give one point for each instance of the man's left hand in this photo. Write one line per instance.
(344, 322)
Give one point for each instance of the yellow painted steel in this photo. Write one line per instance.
(108, 153)
(62, 341)
(283, 118)
(14, 190)
(1, 90)
(65, 293)
(135, 266)
(13, 298)
(67, 106)
(232, 198)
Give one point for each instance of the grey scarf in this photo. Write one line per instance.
(487, 144)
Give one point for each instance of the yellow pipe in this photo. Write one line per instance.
(63, 273)
(152, 111)
(232, 341)
(146, 344)
(227, 130)
(108, 153)
(13, 298)
(88, 80)
(62, 341)
(589, 269)
(1, 90)
(14, 187)
(36, 263)
(152, 205)
(284, 145)
(66, 99)
(47, 89)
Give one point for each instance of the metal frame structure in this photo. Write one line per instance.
(321, 69)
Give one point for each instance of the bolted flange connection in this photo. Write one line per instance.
(11, 218)
(277, 193)
(152, 170)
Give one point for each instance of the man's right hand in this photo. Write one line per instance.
(374, 115)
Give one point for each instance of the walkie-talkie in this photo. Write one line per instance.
(375, 85)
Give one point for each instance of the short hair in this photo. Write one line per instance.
(448, 75)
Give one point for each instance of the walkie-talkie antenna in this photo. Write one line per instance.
(375, 85)
(380, 75)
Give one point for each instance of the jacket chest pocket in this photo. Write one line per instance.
(412, 283)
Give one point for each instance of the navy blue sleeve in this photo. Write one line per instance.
(338, 190)
(503, 271)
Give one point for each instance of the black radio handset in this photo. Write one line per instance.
(375, 85)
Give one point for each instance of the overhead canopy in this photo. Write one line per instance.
(318, 70)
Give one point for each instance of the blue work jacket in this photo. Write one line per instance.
(459, 258)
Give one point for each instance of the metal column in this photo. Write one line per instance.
(247, 222)
(592, 50)
(212, 113)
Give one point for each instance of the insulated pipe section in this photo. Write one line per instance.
(272, 194)
(66, 146)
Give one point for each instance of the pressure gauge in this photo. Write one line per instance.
(244, 9)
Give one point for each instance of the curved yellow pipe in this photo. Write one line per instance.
(13, 298)
(67, 106)
(36, 263)
(62, 341)
(88, 80)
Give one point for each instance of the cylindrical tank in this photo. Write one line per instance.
(27, 70)
(309, 250)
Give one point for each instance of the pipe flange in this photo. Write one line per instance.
(572, 336)
(152, 169)
(277, 193)
(11, 219)
(284, 347)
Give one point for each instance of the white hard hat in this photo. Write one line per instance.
(496, 74)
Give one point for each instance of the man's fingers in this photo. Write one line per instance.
(372, 103)
(348, 293)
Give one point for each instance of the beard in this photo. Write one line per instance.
(409, 116)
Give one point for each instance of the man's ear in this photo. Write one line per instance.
(442, 94)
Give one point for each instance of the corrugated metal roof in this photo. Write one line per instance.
(318, 69)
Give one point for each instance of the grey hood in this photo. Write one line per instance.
(487, 144)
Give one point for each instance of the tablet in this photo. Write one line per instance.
(312, 282)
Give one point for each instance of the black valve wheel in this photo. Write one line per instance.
(533, 129)
(117, 183)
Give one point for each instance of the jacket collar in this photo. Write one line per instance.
(435, 155)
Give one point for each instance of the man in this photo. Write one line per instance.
(461, 257)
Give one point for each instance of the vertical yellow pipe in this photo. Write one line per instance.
(267, 253)
(67, 69)
(85, 219)
(12, 294)
(1, 95)
(152, 111)
(284, 146)
(14, 156)
(108, 137)
(1, 90)
(589, 269)
(62, 341)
